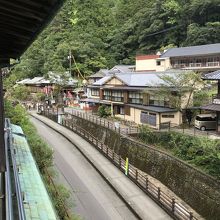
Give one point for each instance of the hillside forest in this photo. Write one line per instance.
(101, 34)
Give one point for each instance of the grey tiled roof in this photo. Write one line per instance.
(153, 108)
(212, 76)
(192, 51)
(143, 79)
(122, 68)
(212, 107)
(100, 73)
(35, 80)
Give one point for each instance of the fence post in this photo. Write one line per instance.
(136, 175)
(102, 146)
(113, 156)
(173, 205)
(119, 161)
(158, 193)
(190, 216)
(147, 183)
(107, 151)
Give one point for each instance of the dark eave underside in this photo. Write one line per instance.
(20, 23)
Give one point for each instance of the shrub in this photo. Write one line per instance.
(200, 151)
(104, 111)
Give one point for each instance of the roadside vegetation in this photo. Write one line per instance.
(198, 151)
(43, 155)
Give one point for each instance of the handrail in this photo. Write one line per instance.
(168, 203)
(21, 212)
(8, 191)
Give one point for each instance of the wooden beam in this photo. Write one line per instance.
(28, 26)
(14, 33)
(17, 13)
(2, 141)
(39, 11)
(32, 3)
(16, 29)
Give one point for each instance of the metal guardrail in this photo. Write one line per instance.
(8, 186)
(12, 161)
(174, 208)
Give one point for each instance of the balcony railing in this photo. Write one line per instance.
(199, 65)
(12, 182)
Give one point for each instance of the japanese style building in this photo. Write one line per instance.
(133, 97)
(215, 105)
(203, 58)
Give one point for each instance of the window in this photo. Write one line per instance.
(95, 92)
(158, 101)
(135, 98)
(148, 118)
(107, 95)
(117, 96)
(158, 63)
(167, 116)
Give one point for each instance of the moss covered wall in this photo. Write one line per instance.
(199, 190)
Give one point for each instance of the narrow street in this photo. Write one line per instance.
(93, 198)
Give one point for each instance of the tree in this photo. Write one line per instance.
(179, 87)
(101, 34)
(20, 92)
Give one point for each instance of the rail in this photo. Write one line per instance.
(124, 130)
(18, 193)
(174, 208)
(8, 191)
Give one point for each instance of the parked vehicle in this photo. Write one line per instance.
(206, 122)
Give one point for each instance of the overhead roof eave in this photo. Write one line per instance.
(21, 21)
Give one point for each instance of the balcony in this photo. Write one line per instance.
(205, 65)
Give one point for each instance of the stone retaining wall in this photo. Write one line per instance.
(200, 191)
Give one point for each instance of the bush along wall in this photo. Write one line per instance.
(200, 190)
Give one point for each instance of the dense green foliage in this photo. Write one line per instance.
(202, 152)
(104, 111)
(101, 33)
(43, 155)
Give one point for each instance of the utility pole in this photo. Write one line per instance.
(70, 61)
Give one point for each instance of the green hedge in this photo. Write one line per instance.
(200, 151)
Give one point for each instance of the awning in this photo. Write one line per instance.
(211, 107)
(157, 109)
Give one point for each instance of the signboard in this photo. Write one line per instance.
(59, 119)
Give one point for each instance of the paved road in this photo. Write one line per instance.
(94, 198)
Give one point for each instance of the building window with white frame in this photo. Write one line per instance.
(95, 92)
(135, 98)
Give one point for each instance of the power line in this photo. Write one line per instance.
(162, 31)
